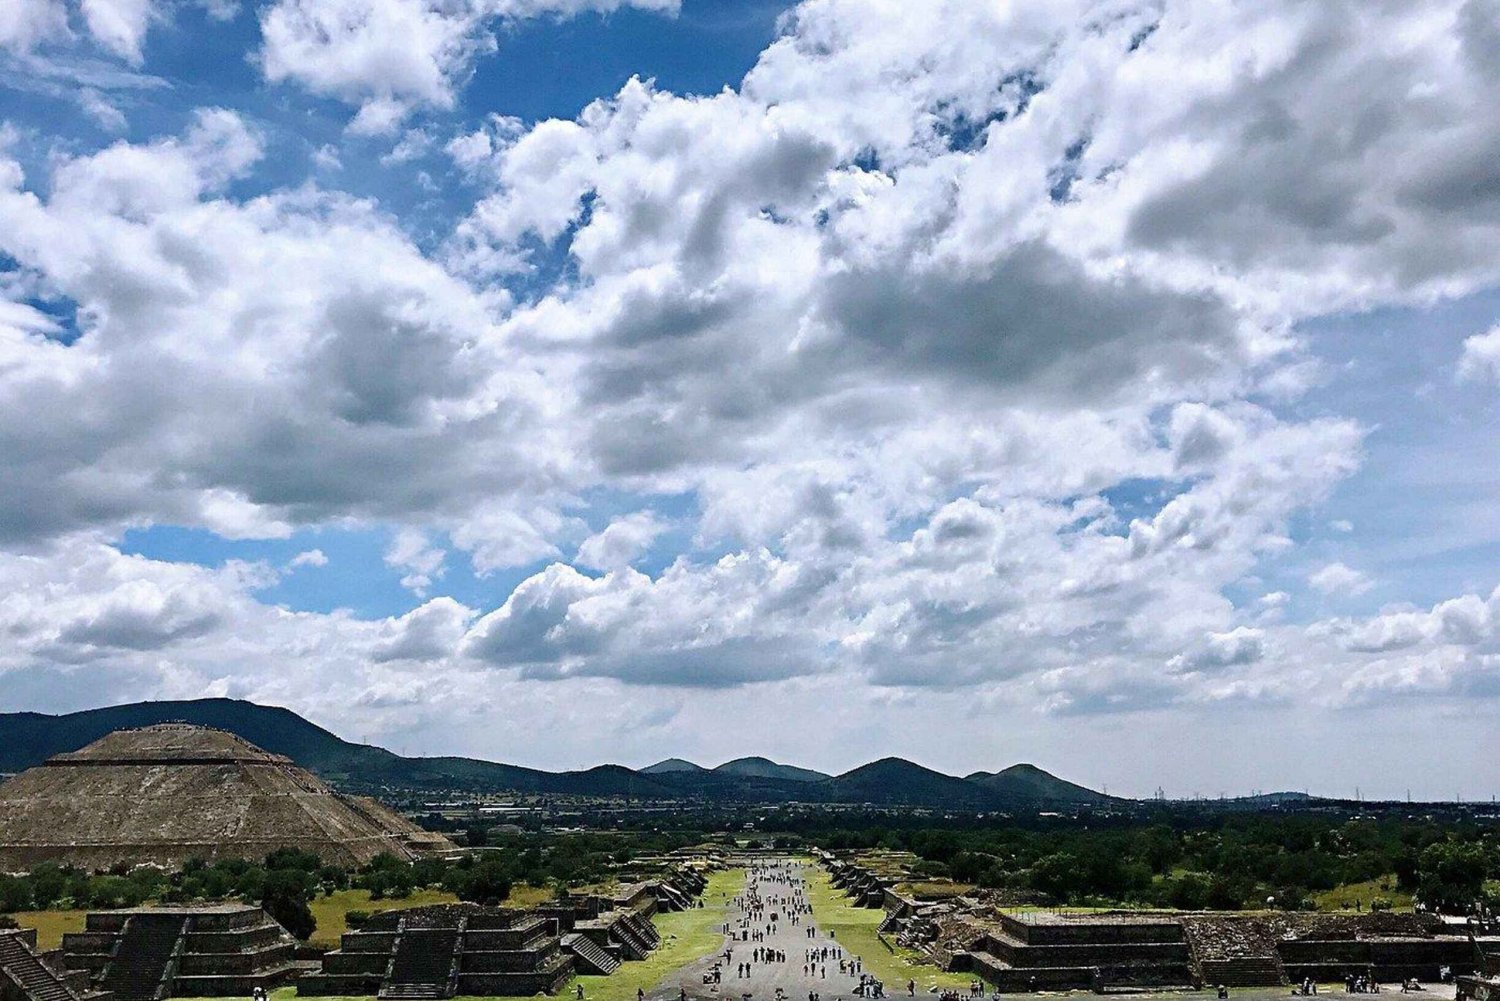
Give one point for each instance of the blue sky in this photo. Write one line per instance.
(713, 378)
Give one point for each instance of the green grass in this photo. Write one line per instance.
(686, 936)
(855, 929)
(933, 889)
(332, 910)
(1363, 893)
(51, 925)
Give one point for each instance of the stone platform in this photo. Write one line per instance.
(149, 954)
(445, 951)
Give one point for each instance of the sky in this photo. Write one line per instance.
(1108, 384)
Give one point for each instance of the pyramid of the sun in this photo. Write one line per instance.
(164, 794)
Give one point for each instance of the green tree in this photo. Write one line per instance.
(1450, 875)
(284, 897)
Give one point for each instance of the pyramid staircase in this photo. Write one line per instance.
(588, 955)
(141, 967)
(645, 928)
(35, 979)
(1244, 971)
(633, 945)
(423, 965)
(1234, 953)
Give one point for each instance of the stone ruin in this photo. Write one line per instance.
(163, 794)
(1044, 950)
(444, 951)
(28, 974)
(466, 949)
(1484, 983)
(987, 934)
(619, 924)
(153, 953)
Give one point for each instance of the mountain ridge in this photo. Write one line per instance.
(27, 739)
(667, 766)
(758, 767)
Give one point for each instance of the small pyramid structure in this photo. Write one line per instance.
(163, 794)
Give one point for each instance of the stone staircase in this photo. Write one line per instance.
(35, 979)
(1244, 971)
(588, 956)
(423, 964)
(140, 966)
(1235, 952)
(632, 944)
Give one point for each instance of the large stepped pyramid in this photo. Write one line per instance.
(164, 794)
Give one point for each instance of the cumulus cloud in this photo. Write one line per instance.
(309, 558)
(117, 26)
(1235, 648)
(620, 543)
(1480, 361)
(389, 56)
(285, 360)
(429, 632)
(1337, 579)
(410, 551)
(24, 23)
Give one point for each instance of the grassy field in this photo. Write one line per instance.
(332, 909)
(50, 925)
(1363, 893)
(685, 936)
(855, 928)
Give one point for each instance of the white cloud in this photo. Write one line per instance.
(410, 550)
(118, 26)
(430, 632)
(285, 360)
(309, 558)
(620, 543)
(1337, 579)
(389, 56)
(24, 23)
(1481, 358)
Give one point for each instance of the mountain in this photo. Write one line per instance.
(27, 739)
(1028, 782)
(896, 780)
(765, 768)
(670, 765)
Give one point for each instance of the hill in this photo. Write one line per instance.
(896, 780)
(765, 768)
(671, 765)
(1028, 782)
